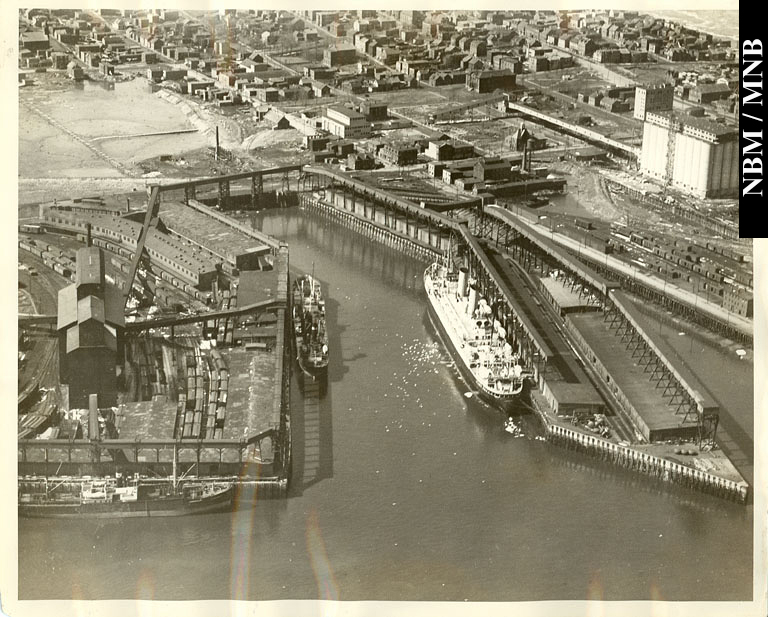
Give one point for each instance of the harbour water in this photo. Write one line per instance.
(405, 489)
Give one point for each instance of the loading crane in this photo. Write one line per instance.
(141, 256)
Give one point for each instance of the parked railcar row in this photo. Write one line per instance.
(52, 257)
(147, 357)
(202, 407)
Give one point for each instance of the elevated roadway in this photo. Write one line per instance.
(272, 171)
(579, 131)
(726, 319)
(548, 245)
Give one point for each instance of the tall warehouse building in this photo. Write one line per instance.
(90, 327)
(695, 155)
(653, 98)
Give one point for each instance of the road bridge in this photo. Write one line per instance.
(256, 178)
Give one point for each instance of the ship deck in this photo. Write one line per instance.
(457, 326)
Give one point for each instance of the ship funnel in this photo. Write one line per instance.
(472, 304)
(462, 290)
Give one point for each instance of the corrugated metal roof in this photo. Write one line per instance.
(90, 307)
(67, 309)
(73, 338)
(113, 306)
(256, 286)
(90, 266)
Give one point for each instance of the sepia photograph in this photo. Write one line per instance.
(439, 311)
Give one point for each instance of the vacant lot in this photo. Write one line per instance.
(569, 81)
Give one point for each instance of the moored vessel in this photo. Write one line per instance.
(309, 327)
(112, 498)
(476, 340)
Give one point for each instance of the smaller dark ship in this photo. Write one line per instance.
(309, 327)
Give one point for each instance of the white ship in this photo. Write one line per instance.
(475, 339)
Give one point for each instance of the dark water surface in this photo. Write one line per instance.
(407, 490)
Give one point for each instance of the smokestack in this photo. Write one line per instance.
(472, 304)
(462, 291)
(217, 144)
(93, 417)
(88, 241)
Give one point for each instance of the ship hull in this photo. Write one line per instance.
(315, 371)
(165, 506)
(513, 404)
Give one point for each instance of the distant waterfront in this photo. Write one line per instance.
(718, 23)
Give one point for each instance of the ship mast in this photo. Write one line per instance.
(175, 461)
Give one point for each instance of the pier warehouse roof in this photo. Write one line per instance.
(193, 265)
(231, 245)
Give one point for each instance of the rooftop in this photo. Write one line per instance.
(346, 111)
(29, 37)
(704, 124)
(713, 88)
(256, 286)
(213, 234)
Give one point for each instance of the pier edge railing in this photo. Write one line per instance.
(649, 464)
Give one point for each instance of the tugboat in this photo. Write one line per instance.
(309, 327)
(474, 338)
